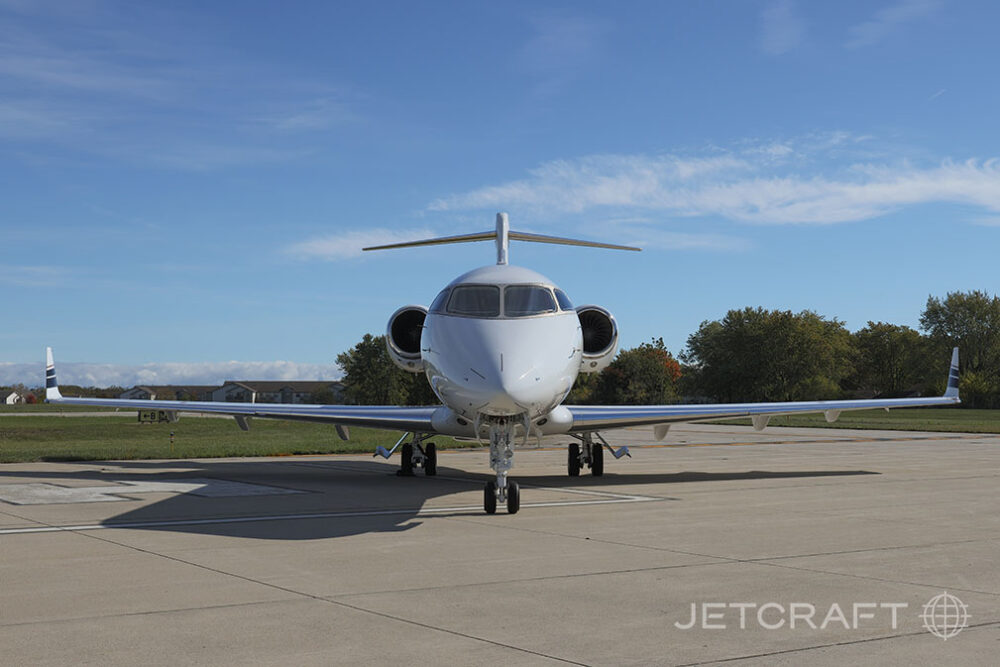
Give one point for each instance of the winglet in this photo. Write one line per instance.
(51, 385)
(952, 390)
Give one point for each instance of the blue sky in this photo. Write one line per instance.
(191, 182)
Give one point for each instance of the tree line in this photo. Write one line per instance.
(755, 354)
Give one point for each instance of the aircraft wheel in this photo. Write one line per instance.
(597, 460)
(406, 460)
(431, 462)
(513, 497)
(574, 460)
(490, 497)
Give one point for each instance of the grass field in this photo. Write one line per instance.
(57, 438)
(956, 420)
(46, 408)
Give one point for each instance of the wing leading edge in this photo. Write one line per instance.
(598, 417)
(375, 416)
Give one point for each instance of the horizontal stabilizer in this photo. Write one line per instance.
(503, 235)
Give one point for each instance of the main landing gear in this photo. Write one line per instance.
(414, 454)
(591, 454)
(501, 461)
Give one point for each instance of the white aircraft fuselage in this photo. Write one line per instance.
(502, 365)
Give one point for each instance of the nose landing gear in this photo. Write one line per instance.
(501, 461)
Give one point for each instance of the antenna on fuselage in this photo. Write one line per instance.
(503, 237)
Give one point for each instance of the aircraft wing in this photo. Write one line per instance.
(598, 417)
(376, 416)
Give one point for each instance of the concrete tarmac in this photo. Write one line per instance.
(793, 546)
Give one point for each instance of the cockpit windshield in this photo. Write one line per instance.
(525, 300)
(437, 306)
(475, 301)
(564, 302)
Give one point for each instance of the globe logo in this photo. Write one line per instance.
(945, 616)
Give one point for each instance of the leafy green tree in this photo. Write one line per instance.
(371, 378)
(755, 354)
(643, 375)
(970, 320)
(890, 359)
(583, 389)
(420, 390)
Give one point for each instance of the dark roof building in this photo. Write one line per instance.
(276, 391)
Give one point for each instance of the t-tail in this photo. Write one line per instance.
(503, 236)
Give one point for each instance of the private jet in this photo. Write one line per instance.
(501, 347)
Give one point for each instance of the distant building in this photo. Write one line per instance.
(169, 392)
(275, 391)
(11, 397)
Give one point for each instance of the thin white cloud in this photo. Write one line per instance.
(888, 20)
(650, 237)
(77, 72)
(597, 180)
(206, 157)
(349, 244)
(207, 373)
(748, 186)
(101, 82)
(33, 275)
(782, 29)
(26, 120)
(312, 115)
(559, 48)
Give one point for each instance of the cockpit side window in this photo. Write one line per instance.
(525, 300)
(438, 305)
(475, 301)
(564, 302)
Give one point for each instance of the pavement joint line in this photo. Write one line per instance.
(338, 603)
(47, 528)
(526, 580)
(147, 612)
(872, 549)
(866, 640)
(863, 577)
(761, 561)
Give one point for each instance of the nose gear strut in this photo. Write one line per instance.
(501, 434)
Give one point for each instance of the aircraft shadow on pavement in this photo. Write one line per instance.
(334, 498)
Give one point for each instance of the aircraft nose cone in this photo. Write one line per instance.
(517, 387)
(507, 396)
(523, 391)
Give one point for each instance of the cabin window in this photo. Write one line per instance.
(564, 302)
(475, 301)
(525, 300)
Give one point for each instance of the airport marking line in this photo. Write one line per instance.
(604, 498)
(42, 493)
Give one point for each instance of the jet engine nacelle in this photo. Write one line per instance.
(600, 338)
(402, 337)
